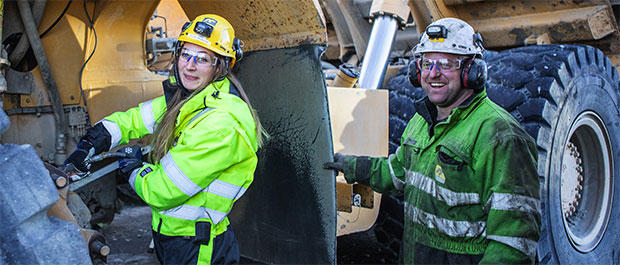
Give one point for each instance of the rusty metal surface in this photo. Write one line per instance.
(344, 201)
(367, 198)
(511, 23)
(513, 8)
(562, 26)
(267, 24)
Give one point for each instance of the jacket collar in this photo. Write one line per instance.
(212, 92)
(428, 111)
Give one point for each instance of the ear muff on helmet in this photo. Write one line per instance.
(474, 74)
(414, 74)
(237, 45)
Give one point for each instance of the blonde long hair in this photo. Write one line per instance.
(163, 137)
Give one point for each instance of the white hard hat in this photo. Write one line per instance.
(449, 35)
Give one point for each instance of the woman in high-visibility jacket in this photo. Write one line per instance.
(204, 144)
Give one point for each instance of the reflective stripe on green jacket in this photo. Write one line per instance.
(209, 167)
(472, 188)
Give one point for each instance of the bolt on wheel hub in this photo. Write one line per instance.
(586, 184)
(572, 180)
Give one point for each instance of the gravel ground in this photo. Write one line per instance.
(129, 236)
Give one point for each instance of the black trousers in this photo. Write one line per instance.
(183, 249)
(428, 255)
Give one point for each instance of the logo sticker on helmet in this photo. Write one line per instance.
(210, 21)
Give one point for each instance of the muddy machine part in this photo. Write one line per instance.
(292, 200)
(27, 234)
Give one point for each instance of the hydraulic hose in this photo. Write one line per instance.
(22, 45)
(48, 80)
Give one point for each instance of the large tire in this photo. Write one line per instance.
(389, 227)
(566, 97)
(27, 234)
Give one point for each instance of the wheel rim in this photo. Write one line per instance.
(586, 182)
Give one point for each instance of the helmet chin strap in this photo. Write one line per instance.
(179, 82)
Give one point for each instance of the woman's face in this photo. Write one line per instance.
(196, 66)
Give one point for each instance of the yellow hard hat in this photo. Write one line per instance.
(214, 33)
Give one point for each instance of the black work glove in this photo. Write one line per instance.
(78, 157)
(338, 163)
(126, 165)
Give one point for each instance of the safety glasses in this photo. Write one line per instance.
(200, 58)
(443, 64)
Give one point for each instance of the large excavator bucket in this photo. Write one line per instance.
(288, 215)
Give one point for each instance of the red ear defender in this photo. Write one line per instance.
(414, 73)
(474, 74)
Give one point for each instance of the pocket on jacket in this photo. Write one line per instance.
(411, 152)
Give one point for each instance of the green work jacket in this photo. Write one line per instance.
(470, 183)
(210, 165)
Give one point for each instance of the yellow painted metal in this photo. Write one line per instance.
(267, 24)
(116, 77)
(64, 47)
(344, 200)
(344, 80)
(174, 16)
(367, 198)
(390, 72)
(615, 61)
(420, 13)
(562, 26)
(475, 10)
(438, 10)
(358, 27)
(456, 2)
(39, 96)
(359, 120)
(398, 8)
(510, 23)
(118, 63)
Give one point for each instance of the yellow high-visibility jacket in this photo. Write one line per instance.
(210, 165)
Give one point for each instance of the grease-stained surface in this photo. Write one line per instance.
(267, 24)
(288, 215)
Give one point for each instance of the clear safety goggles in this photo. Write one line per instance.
(443, 64)
(200, 58)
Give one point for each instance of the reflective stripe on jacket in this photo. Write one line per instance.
(209, 167)
(470, 188)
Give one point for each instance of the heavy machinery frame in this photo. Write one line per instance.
(87, 53)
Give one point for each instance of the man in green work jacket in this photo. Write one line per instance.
(467, 169)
